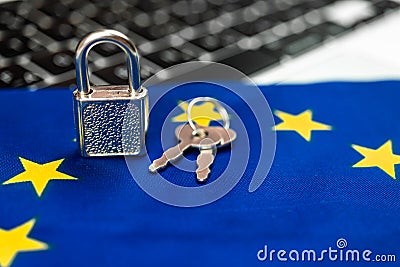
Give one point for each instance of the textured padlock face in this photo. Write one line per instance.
(106, 133)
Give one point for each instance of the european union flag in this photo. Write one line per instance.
(331, 195)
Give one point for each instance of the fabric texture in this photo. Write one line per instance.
(311, 197)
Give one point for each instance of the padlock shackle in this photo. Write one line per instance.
(106, 36)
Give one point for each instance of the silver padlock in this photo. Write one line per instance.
(110, 120)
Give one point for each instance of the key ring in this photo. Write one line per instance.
(221, 110)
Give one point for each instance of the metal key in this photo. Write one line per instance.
(208, 151)
(204, 160)
(187, 139)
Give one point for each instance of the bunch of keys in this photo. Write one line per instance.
(206, 139)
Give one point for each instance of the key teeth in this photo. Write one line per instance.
(152, 168)
(202, 175)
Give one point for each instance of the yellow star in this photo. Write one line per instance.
(16, 240)
(39, 174)
(301, 123)
(201, 114)
(381, 157)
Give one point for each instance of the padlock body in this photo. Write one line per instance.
(110, 121)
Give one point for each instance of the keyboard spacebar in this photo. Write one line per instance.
(250, 61)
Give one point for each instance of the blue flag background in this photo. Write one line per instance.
(311, 197)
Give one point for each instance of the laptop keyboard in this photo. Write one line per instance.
(38, 38)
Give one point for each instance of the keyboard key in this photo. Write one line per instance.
(107, 18)
(11, 6)
(194, 12)
(75, 4)
(328, 29)
(89, 10)
(222, 3)
(289, 14)
(217, 41)
(382, 6)
(131, 14)
(254, 27)
(312, 4)
(60, 31)
(192, 19)
(118, 74)
(115, 75)
(151, 5)
(146, 72)
(17, 76)
(209, 14)
(167, 28)
(209, 42)
(169, 57)
(102, 3)
(250, 61)
(181, 8)
(55, 63)
(144, 32)
(107, 49)
(151, 31)
(11, 22)
(304, 42)
(14, 45)
(278, 46)
(387, 4)
(198, 6)
(56, 10)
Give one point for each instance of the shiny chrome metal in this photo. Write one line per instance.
(186, 140)
(106, 36)
(213, 138)
(110, 120)
(221, 110)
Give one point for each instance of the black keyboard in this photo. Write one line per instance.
(38, 38)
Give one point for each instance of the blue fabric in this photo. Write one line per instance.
(311, 197)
